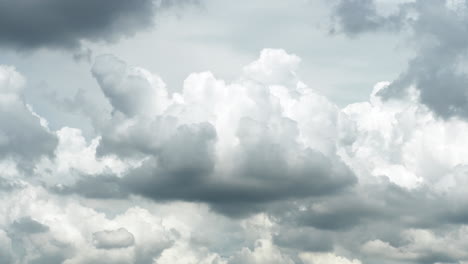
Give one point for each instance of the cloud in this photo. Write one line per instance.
(184, 254)
(423, 247)
(356, 16)
(28, 225)
(303, 239)
(234, 146)
(109, 239)
(263, 253)
(6, 254)
(398, 138)
(24, 136)
(284, 174)
(132, 236)
(327, 258)
(436, 29)
(329, 177)
(66, 24)
(118, 81)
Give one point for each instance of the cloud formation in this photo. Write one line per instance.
(283, 173)
(436, 29)
(236, 146)
(24, 136)
(65, 24)
(109, 239)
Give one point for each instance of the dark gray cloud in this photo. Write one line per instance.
(184, 170)
(438, 33)
(382, 202)
(251, 192)
(30, 24)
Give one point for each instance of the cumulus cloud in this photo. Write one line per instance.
(264, 252)
(109, 239)
(134, 236)
(327, 258)
(282, 173)
(436, 28)
(235, 146)
(66, 24)
(397, 138)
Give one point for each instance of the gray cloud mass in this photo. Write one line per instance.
(65, 24)
(438, 29)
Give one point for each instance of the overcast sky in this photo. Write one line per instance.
(234, 132)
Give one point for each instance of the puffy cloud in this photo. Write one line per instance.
(274, 66)
(65, 24)
(75, 156)
(133, 236)
(282, 173)
(184, 254)
(236, 146)
(397, 138)
(264, 252)
(326, 258)
(109, 239)
(130, 90)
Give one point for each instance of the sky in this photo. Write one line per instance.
(233, 132)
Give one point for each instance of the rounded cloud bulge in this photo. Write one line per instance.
(237, 146)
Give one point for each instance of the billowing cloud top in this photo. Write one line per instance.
(266, 151)
(259, 168)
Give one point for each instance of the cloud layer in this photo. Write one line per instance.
(262, 169)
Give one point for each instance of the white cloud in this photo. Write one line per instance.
(402, 140)
(274, 66)
(326, 258)
(264, 252)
